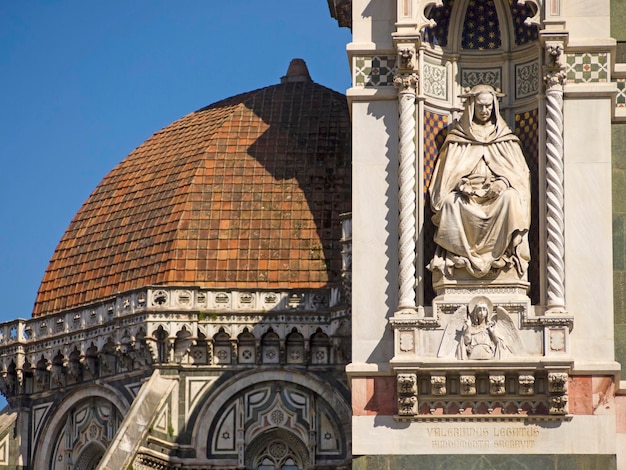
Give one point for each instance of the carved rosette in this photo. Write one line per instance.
(554, 79)
(407, 84)
(407, 394)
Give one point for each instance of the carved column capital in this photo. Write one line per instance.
(555, 80)
(406, 82)
(554, 75)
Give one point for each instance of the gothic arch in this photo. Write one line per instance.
(54, 423)
(302, 394)
(278, 447)
(90, 456)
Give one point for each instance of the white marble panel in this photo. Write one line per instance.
(585, 8)
(589, 260)
(380, 435)
(374, 228)
(585, 27)
(373, 21)
(587, 135)
(587, 19)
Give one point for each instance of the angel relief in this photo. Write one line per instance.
(475, 332)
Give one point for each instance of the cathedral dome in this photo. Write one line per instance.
(244, 193)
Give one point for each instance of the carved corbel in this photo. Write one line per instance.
(497, 384)
(438, 385)
(557, 389)
(468, 385)
(407, 394)
(406, 56)
(526, 384)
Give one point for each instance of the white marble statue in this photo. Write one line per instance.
(476, 332)
(480, 193)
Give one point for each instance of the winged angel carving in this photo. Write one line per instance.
(475, 332)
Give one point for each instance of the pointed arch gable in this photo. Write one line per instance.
(55, 421)
(218, 403)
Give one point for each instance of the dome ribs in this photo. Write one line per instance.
(246, 192)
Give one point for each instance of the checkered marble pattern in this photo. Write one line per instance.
(374, 71)
(527, 129)
(587, 67)
(481, 29)
(435, 131)
(620, 99)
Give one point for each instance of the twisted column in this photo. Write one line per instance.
(554, 81)
(406, 84)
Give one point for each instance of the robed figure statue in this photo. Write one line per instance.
(480, 193)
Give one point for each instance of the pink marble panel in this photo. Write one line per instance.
(374, 396)
(580, 395)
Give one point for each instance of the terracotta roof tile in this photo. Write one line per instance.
(245, 193)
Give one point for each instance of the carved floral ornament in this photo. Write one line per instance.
(406, 82)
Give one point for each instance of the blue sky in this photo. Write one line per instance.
(84, 83)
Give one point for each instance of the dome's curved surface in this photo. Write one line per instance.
(246, 192)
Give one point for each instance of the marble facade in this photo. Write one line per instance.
(555, 62)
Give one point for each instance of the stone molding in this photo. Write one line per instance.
(138, 330)
(488, 392)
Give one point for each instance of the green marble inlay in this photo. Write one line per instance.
(587, 67)
(618, 146)
(374, 71)
(618, 25)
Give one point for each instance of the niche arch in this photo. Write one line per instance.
(448, 65)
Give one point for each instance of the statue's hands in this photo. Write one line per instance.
(496, 188)
(465, 186)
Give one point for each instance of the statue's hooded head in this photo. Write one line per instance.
(482, 93)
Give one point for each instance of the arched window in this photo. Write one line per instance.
(277, 449)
